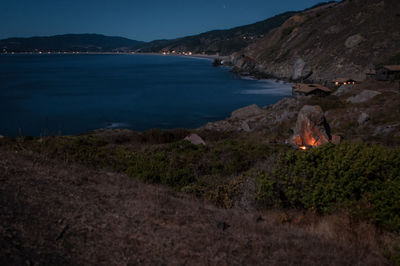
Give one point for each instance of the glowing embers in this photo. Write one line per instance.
(311, 128)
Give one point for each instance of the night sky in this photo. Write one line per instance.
(143, 20)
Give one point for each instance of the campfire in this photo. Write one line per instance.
(311, 128)
(306, 142)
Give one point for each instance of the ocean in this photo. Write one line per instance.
(74, 93)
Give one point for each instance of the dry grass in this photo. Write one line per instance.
(57, 214)
(342, 229)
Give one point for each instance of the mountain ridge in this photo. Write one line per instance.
(87, 42)
(219, 41)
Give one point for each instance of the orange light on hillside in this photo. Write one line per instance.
(303, 147)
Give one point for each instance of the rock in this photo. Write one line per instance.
(385, 129)
(195, 139)
(246, 112)
(354, 40)
(363, 96)
(336, 139)
(219, 126)
(298, 69)
(311, 128)
(333, 29)
(217, 62)
(221, 225)
(244, 126)
(363, 118)
(342, 90)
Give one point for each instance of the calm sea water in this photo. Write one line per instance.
(71, 94)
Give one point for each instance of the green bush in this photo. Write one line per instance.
(206, 171)
(362, 178)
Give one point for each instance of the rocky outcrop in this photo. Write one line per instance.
(343, 90)
(252, 118)
(248, 111)
(384, 130)
(240, 120)
(354, 40)
(339, 39)
(298, 69)
(311, 128)
(195, 139)
(363, 96)
(364, 117)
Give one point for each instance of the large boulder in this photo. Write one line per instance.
(364, 117)
(342, 90)
(246, 112)
(363, 96)
(311, 128)
(195, 139)
(298, 69)
(354, 40)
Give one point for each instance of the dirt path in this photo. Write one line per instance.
(56, 214)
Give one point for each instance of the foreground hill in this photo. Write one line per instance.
(338, 40)
(59, 212)
(69, 43)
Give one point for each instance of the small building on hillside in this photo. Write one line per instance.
(301, 89)
(388, 73)
(344, 81)
(371, 74)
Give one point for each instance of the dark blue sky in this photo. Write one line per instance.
(141, 20)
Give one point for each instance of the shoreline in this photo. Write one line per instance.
(194, 56)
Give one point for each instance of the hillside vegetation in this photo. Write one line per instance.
(58, 213)
(242, 171)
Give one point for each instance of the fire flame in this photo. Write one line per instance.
(303, 147)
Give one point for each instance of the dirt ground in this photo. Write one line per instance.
(57, 214)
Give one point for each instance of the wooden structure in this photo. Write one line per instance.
(371, 74)
(344, 81)
(388, 73)
(301, 89)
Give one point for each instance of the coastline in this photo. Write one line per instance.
(246, 88)
(196, 56)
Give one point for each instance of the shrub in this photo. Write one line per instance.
(362, 178)
(206, 171)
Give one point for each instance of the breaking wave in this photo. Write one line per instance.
(270, 87)
(114, 125)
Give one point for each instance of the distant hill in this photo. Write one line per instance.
(69, 43)
(223, 42)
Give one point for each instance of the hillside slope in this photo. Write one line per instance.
(57, 213)
(336, 40)
(224, 42)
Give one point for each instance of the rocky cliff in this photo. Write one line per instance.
(335, 40)
(369, 112)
